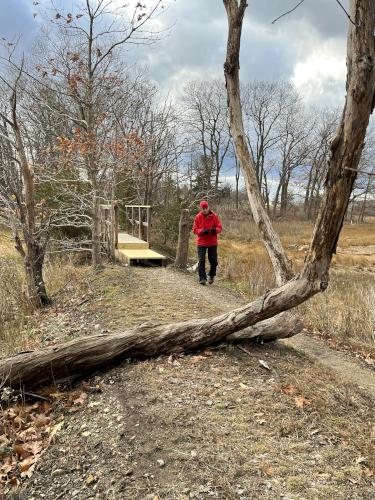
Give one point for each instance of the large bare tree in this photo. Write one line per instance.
(82, 355)
(81, 57)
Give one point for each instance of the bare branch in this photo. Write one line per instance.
(288, 12)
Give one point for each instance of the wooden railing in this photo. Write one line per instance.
(138, 221)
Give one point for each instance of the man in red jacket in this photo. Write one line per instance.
(207, 226)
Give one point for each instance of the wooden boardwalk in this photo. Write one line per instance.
(133, 250)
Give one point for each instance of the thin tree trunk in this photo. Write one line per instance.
(33, 261)
(281, 263)
(34, 256)
(95, 230)
(183, 240)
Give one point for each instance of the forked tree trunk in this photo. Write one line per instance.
(90, 353)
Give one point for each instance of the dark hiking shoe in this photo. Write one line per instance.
(211, 279)
(202, 282)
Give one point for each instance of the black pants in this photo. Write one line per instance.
(212, 259)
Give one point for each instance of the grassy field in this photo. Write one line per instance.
(18, 323)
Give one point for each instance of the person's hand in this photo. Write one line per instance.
(213, 230)
(204, 231)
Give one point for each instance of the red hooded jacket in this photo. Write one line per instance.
(207, 222)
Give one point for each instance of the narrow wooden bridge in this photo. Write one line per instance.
(132, 245)
(136, 251)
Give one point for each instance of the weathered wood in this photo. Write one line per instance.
(282, 326)
(183, 240)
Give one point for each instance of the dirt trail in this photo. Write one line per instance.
(212, 425)
(171, 293)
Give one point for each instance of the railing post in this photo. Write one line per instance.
(148, 223)
(139, 224)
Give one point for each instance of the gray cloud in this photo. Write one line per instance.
(195, 47)
(307, 46)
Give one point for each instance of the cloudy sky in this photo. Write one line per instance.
(306, 47)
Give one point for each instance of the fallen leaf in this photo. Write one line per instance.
(368, 472)
(54, 431)
(196, 359)
(41, 421)
(81, 399)
(269, 471)
(34, 447)
(27, 466)
(288, 389)
(21, 451)
(301, 401)
(14, 482)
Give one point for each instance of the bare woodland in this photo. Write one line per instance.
(79, 130)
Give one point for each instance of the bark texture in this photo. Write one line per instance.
(183, 240)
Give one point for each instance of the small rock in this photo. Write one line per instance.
(96, 327)
(209, 402)
(160, 462)
(86, 434)
(91, 479)
(193, 453)
(57, 472)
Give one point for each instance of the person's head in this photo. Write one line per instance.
(204, 207)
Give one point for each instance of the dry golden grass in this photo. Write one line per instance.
(299, 232)
(6, 244)
(18, 322)
(346, 311)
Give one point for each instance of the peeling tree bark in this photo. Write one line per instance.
(89, 353)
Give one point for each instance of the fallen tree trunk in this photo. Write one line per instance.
(282, 326)
(90, 353)
(81, 356)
